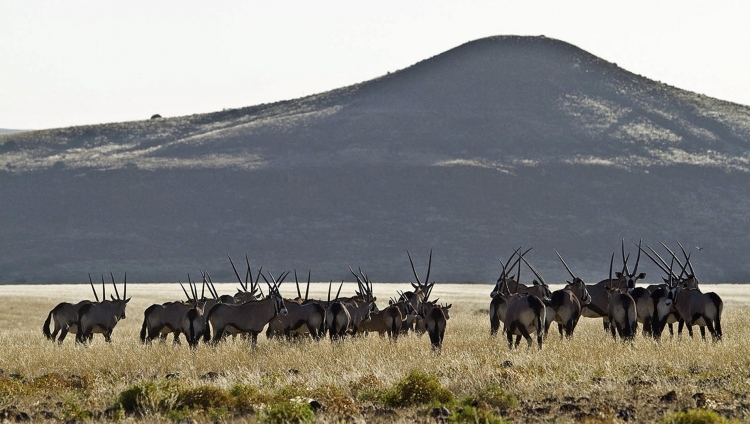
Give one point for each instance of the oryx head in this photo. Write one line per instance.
(540, 289)
(364, 291)
(421, 290)
(629, 278)
(118, 302)
(247, 293)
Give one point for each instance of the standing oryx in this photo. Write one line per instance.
(102, 317)
(421, 291)
(644, 305)
(498, 304)
(565, 305)
(693, 306)
(65, 316)
(621, 310)
(161, 319)
(303, 317)
(249, 317)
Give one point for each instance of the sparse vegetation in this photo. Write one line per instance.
(475, 379)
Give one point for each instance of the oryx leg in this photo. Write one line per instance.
(509, 332)
(63, 333)
(176, 340)
(525, 333)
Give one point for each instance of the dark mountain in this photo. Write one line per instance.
(499, 143)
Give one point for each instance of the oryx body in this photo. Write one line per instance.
(525, 314)
(65, 318)
(161, 319)
(100, 318)
(194, 325)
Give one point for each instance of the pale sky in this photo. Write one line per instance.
(65, 63)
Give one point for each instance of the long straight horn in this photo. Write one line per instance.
(183, 290)
(611, 262)
(113, 283)
(539, 276)
(638, 258)
(360, 284)
(92, 288)
(283, 277)
(296, 281)
(506, 266)
(566, 265)
(673, 255)
(125, 287)
(257, 279)
(625, 261)
(687, 258)
(237, 274)
(329, 292)
(339, 292)
(211, 283)
(657, 263)
(104, 292)
(193, 288)
(419, 282)
(429, 267)
(307, 289)
(663, 262)
(518, 259)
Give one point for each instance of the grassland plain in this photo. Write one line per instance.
(476, 377)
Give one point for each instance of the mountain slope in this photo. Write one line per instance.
(498, 143)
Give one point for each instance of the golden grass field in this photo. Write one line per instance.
(588, 378)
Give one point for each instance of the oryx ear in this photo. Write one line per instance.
(111, 297)
(448, 306)
(128, 299)
(391, 302)
(415, 286)
(641, 275)
(618, 274)
(536, 283)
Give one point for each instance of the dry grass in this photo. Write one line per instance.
(589, 378)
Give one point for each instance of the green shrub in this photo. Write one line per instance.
(148, 398)
(470, 414)
(417, 388)
(496, 397)
(246, 397)
(204, 397)
(693, 416)
(288, 412)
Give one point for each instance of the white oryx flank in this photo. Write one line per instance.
(102, 317)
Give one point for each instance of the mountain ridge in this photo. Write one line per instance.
(499, 142)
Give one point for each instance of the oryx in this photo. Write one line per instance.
(695, 307)
(338, 317)
(565, 305)
(245, 293)
(102, 317)
(65, 316)
(644, 305)
(390, 320)
(302, 318)
(249, 317)
(621, 309)
(161, 319)
(421, 291)
(525, 314)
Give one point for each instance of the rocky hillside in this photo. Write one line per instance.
(499, 143)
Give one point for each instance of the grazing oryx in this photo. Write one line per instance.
(302, 318)
(565, 305)
(65, 316)
(102, 317)
(621, 310)
(248, 317)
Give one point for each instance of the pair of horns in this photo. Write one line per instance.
(104, 293)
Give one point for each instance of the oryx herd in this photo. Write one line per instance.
(249, 311)
(525, 310)
(617, 301)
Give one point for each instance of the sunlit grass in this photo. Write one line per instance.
(598, 375)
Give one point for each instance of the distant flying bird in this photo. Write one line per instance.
(698, 247)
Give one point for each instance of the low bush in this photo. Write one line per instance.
(694, 416)
(416, 388)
